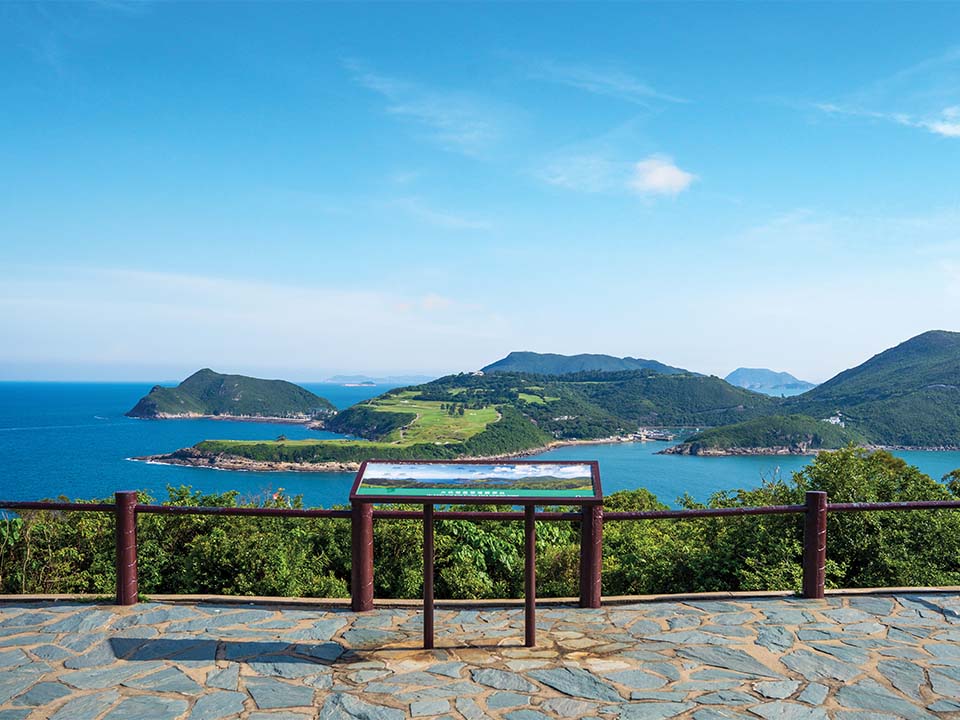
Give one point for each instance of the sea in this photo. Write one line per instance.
(72, 440)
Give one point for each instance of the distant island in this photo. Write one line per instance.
(907, 397)
(366, 380)
(210, 394)
(768, 382)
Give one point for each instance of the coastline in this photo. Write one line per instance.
(189, 457)
(799, 452)
(310, 422)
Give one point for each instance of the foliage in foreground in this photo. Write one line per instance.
(74, 552)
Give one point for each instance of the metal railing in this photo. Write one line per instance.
(815, 511)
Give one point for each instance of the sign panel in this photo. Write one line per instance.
(492, 482)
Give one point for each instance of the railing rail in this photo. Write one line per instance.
(815, 511)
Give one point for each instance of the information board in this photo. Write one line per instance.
(457, 482)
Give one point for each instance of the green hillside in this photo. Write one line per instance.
(792, 433)
(908, 395)
(209, 393)
(471, 415)
(553, 364)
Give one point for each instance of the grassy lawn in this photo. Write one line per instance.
(434, 425)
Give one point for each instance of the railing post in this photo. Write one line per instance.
(530, 576)
(361, 570)
(591, 555)
(428, 576)
(126, 522)
(815, 545)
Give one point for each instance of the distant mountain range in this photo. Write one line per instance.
(209, 393)
(768, 382)
(553, 364)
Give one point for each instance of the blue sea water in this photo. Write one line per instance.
(72, 439)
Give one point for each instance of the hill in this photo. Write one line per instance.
(773, 435)
(209, 393)
(495, 415)
(907, 396)
(768, 382)
(553, 364)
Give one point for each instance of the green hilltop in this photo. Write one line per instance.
(209, 393)
(907, 396)
(553, 364)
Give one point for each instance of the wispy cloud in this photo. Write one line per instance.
(456, 120)
(418, 209)
(598, 173)
(608, 81)
(925, 95)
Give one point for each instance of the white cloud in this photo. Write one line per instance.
(611, 82)
(598, 173)
(658, 175)
(457, 121)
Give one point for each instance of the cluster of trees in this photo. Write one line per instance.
(57, 552)
(453, 408)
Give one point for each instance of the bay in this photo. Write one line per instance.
(72, 440)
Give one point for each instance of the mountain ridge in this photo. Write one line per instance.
(526, 361)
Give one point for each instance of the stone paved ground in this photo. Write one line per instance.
(850, 658)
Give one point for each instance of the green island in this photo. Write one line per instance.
(905, 397)
(55, 552)
(495, 415)
(210, 394)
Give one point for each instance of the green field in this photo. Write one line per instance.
(433, 424)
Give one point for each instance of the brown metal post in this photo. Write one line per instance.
(586, 522)
(428, 576)
(361, 571)
(815, 545)
(595, 555)
(126, 521)
(530, 576)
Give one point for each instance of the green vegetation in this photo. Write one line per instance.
(553, 364)
(74, 552)
(512, 433)
(209, 393)
(798, 433)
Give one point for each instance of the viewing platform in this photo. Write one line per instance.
(847, 657)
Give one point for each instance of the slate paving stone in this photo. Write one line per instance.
(719, 714)
(726, 697)
(429, 708)
(814, 694)
(576, 682)
(147, 707)
(169, 679)
(218, 705)
(870, 695)
(285, 666)
(86, 707)
(341, 706)
(224, 678)
(107, 677)
(777, 690)
(814, 666)
(905, 676)
(729, 658)
(43, 693)
(269, 694)
(502, 699)
(502, 680)
(780, 710)
(653, 710)
(449, 669)
(15, 714)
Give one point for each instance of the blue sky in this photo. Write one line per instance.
(300, 190)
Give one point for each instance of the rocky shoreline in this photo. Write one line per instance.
(694, 450)
(192, 457)
(310, 422)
